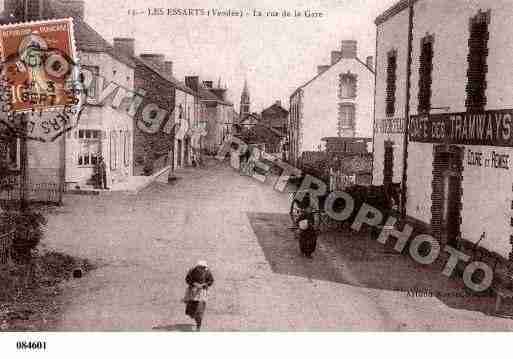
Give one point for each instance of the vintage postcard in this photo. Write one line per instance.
(204, 166)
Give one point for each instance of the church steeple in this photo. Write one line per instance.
(245, 101)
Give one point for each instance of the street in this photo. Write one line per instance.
(144, 244)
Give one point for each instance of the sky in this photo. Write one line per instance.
(275, 54)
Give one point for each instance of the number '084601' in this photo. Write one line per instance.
(24, 345)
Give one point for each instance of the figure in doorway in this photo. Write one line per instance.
(101, 174)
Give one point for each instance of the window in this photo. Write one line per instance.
(391, 83)
(113, 150)
(90, 147)
(127, 148)
(10, 153)
(121, 152)
(347, 86)
(346, 117)
(425, 74)
(388, 165)
(477, 68)
(91, 77)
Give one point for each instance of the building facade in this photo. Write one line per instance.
(69, 159)
(443, 69)
(217, 115)
(102, 130)
(339, 101)
(276, 117)
(153, 145)
(187, 118)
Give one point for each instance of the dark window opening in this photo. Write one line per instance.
(391, 83)
(388, 168)
(477, 59)
(425, 74)
(94, 71)
(347, 86)
(346, 118)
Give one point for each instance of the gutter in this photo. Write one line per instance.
(407, 110)
(374, 114)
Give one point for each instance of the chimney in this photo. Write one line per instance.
(370, 62)
(349, 49)
(125, 45)
(335, 56)
(208, 84)
(322, 68)
(278, 103)
(168, 67)
(156, 59)
(76, 7)
(192, 82)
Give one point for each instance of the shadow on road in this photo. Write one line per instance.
(176, 328)
(355, 259)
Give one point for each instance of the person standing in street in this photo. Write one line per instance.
(199, 279)
(97, 175)
(102, 173)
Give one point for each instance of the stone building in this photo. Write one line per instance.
(215, 112)
(153, 122)
(338, 101)
(443, 117)
(102, 130)
(186, 116)
(276, 117)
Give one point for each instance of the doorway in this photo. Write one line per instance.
(179, 153)
(447, 194)
(187, 150)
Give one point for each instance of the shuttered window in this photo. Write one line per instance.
(346, 117)
(347, 86)
(425, 74)
(388, 168)
(477, 62)
(391, 82)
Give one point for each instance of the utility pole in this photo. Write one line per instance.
(23, 142)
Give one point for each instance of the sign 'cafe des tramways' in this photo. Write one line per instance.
(443, 124)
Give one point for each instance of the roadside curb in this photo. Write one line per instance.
(139, 187)
(149, 181)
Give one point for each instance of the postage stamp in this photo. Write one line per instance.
(37, 58)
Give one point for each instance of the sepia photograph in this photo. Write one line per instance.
(182, 169)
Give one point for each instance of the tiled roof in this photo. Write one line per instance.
(207, 95)
(275, 116)
(392, 11)
(183, 87)
(275, 108)
(171, 79)
(329, 67)
(261, 134)
(86, 38)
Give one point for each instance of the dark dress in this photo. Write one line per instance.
(201, 275)
(307, 241)
(307, 237)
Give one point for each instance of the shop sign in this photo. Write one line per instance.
(489, 128)
(391, 125)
